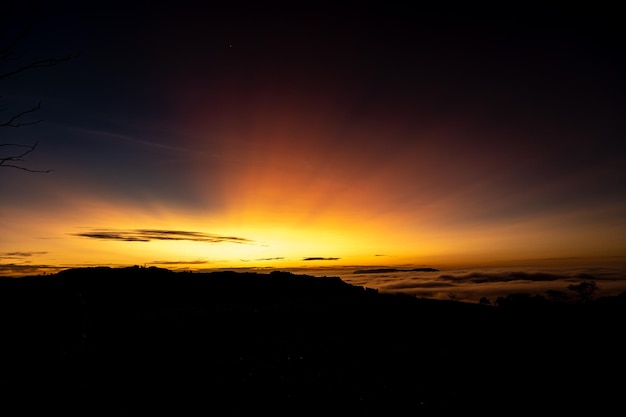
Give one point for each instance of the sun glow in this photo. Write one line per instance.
(291, 178)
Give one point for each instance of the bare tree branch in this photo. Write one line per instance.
(6, 51)
(27, 169)
(43, 63)
(9, 161)
(14, 121)
(14, 33)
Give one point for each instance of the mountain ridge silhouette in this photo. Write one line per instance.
(134, 341)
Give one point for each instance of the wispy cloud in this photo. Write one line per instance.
(319, 259)
(278, 258)
(27, 269)
(19, 255)
(148, 235)
(132, 139)
(270, 259)
(198, 262)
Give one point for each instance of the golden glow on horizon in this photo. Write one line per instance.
(282, 241)
(306, 180)
(291, 209)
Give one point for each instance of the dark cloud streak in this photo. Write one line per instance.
(320, 259)
(8, 270)
(198, 262)
(148, 235)
(19, 255)
(482, 278)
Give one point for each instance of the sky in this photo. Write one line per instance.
(199, 135)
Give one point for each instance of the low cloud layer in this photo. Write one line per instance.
(20, 263)
(472, 285)
(482, 277)
(148, 235)
(468, 285)
(28, 269)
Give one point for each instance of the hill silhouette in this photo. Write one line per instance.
(139, 341)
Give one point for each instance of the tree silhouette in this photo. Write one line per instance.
(484, 301)
(16, 155)
(585, 290)
(556, 295)
(12, 35)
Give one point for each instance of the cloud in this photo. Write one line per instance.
(198, 262)
(481, 277)
(391, 270)
(495, 282)
(27, 269)
(278, 258)
(19, 255)
(127, 138)
(320, 259)
(147, 235)
(478, 280)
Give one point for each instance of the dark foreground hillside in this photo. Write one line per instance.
(137, 341)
